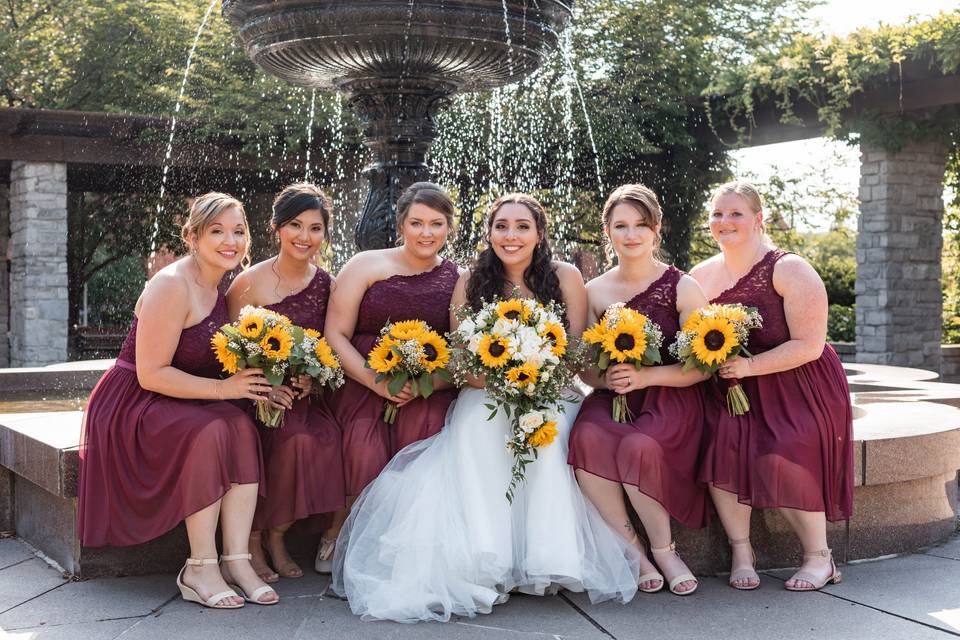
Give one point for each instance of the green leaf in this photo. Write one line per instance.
(603, 361)
(426, 385)
(396, 384)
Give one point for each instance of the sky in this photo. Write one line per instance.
(840, 17)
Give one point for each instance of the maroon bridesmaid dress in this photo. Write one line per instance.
(657, 451)
(147, 460)
(303, 470)
(794, 447)
(368, 441)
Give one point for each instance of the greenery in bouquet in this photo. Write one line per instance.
(625, 336)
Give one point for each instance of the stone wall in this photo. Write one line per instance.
(4, 276)
(950, 363)
(38, 279)
(899, 240)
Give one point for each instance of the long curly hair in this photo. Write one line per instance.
(488, 280)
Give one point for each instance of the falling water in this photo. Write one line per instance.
(173, 128)
(506, 33)
(566, 50)
(313, 103)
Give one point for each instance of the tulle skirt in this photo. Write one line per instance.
(434, 535)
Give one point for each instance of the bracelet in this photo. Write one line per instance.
(218, 388)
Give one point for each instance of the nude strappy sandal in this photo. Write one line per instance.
(684, 577)
(818, 583)
(259, 591)
(190, 595)
(744, 574)
(647, 577)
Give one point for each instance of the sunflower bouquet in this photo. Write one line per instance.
(313, 357)
(521, 349)
(623, 335)
(408, 351)
(712, 335)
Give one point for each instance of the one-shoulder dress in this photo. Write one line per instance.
(147, 461)
(793, 448)
(302, 461)
(658, 450)
(368, 441)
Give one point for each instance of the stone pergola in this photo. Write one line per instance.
(44, 155)
(900, 227)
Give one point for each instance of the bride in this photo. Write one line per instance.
(433, 535)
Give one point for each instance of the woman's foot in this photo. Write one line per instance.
(277, 549)
(679, 579)
(816, 571)
(324, 562)
(743, 575)
(237, 570)
(206, 581)
(259, 559)
(650, 580)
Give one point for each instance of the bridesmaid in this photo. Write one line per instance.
(160, 444)
(302, 461)
(410, 281)
(654, 456)
(792, 450)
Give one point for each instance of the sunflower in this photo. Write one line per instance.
(493, 351)
(733, 312)
(407, 329)
(251, 326)
(693, 320)
(277, 343)
(435, 352)
(325, 354)
(544, 435)
(227, 358)
(597, 333)
(313, 333)
(715, 339)
(383, 359)
(513, 309)
(625, 341)
(523, 375)
(557, 336)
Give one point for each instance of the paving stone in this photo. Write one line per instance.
(13, 551)
(106, 630)
(26, 580)
(949, 549)
(717, 611)
(92, 601)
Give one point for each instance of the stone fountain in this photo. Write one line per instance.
(399, 62)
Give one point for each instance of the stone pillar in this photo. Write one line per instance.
(38, 278)
(4, 276)
(899, 241)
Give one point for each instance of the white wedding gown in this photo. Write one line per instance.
(434, 534)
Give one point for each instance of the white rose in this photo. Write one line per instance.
(467, 327)
(504, 327)
(474, 344)
(531, 421)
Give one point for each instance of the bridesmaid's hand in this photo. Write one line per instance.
(736, 367)
(402, 398)
(281, 397)
(246, 383)
(304, 383)
(624, 378)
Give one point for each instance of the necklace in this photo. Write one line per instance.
(276, 288)
(753, 262)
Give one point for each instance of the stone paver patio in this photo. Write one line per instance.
(915, 596)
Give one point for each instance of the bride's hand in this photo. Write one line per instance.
(624, 378)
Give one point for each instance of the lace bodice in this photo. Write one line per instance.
(422, 296)
(659, 303)
(307, 307)
(755, 289)
(194, 353)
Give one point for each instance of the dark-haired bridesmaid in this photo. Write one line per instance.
(653, 457)
(160, 441)
(792, 451)
(302, 461)
(410, 281)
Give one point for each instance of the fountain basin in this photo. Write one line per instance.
(907, 454)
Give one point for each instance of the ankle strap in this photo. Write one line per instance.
(196, 562)
(821, 553)
(671, 547)
(738, 542)
(237, 556)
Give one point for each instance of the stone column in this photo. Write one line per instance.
(4, 276)
(899, 241)
(38, 240)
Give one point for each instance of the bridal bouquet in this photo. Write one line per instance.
(713, 334)
(268, 340)
(627, 336)
(408, 351)
(520, 348)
